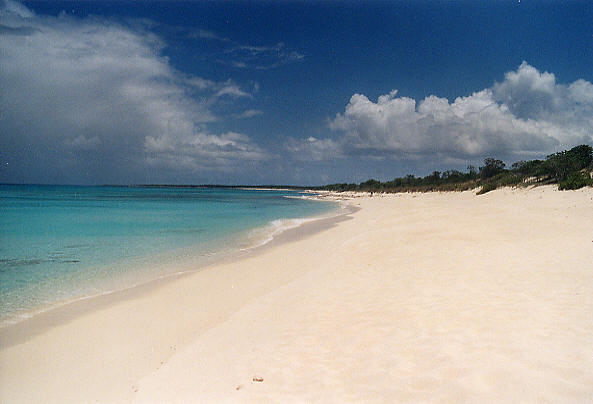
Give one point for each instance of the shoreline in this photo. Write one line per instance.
(33, 323)
(98, 269)
(441, 297)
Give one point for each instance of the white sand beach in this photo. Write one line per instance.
(436, 297)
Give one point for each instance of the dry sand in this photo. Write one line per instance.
(439, 297)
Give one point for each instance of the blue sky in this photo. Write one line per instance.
(287, 92)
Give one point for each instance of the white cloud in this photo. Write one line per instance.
(250, 113)
(14, 8)
(205, 34)
(218, 152)
(526, 114)
(261, 57)
(92, 84)
(581, 91)
(246, 56)
(313, 149)
(200, 83)
(217, 89)
(529, 93)
(231, 89)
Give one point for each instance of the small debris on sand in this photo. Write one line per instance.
(258, 379)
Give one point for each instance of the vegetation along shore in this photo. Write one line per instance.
(570, 169)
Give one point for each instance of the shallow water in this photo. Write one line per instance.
(59, 243)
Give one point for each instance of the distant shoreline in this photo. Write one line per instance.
(245, 187)
(214, 186)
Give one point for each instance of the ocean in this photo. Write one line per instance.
(63, 243)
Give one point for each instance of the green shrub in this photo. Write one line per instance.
(575, 180)
(567, 168)
(564, 164)
(487, 187)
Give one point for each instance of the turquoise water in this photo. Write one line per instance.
(59, 243)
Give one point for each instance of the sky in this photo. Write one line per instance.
(287, 92)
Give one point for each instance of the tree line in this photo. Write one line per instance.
(570, 169)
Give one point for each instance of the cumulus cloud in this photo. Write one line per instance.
(71, 85)
(528, 113)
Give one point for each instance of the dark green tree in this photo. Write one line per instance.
(560, 165)
(371, 185)
(491, 167)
